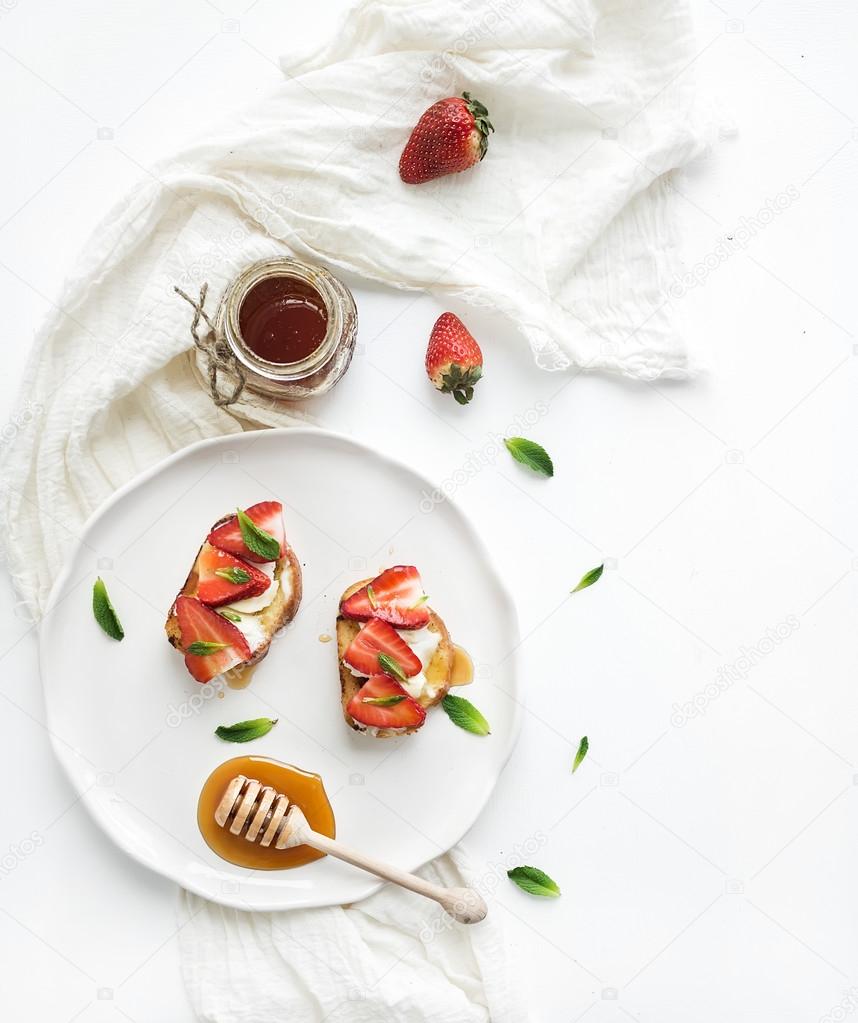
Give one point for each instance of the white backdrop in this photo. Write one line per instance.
(706, 847)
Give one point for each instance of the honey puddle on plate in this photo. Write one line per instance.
(302, 787)
(240, 677)
(463, 667)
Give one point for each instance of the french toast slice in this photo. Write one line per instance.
(438, 672)
(266, 622)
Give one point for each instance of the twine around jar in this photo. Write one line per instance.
(219, 356)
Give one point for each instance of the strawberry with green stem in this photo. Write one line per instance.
(451, 136)
(454, 361)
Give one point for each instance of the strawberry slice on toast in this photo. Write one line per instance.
(383, 703)
(378, 638)
(396, 597)
(211, 644)
(266, 516)
(224, 578)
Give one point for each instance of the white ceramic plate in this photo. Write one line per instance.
(135, 732)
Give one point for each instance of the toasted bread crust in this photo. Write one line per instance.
(279, 612)
(439, 670)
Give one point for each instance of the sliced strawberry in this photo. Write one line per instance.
(268, 515)
(396, 596)
(377, 637)
(357, 606)
(224, 578)
(221, 644)
(383, 703)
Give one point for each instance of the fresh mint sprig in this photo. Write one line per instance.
(256, 539)
(583, 746)
(245, 731)
(593, 576)
(534, 881)
(531, 454)
(464, 714)
(104, 612)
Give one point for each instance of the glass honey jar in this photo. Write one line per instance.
(291, 326)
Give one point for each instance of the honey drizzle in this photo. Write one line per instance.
(240, 677)
(303, 788)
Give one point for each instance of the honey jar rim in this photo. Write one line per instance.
(336, 298)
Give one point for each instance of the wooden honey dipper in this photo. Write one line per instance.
(264, 815)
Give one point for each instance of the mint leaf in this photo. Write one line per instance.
(105, 612)
(464, 714)
(531, 454)
(534, 881)
(245, 731)
(256, 539)
(593, 576)
(583, 746)
(200, 648)
(234, 575)
(370, 596)
(390, 666)
(383, 701)
(230, 616)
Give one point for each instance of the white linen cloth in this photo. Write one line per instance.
(392, 958)
(565, 227)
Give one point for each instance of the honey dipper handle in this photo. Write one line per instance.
(463, 904)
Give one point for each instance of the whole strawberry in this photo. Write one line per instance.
(450, 137)
(454, 361)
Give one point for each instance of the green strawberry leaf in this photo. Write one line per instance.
(534, 881)
(390, 666)
(531, 454)
(464, 714)
(105, 612)
(200, 648)
(256, 539)
(583, 746)
(593, 576)
(234, 575)
(383, 701)
(245, 731)
(230, 616)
